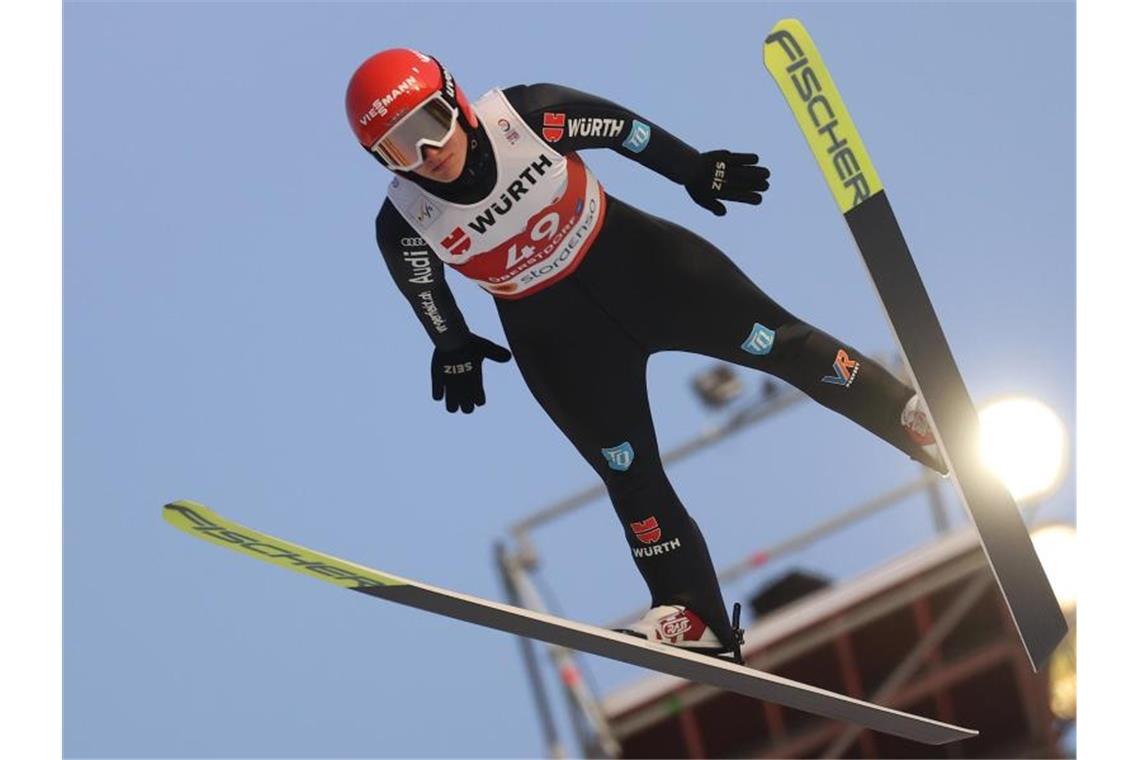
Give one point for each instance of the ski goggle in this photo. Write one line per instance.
(431, 123)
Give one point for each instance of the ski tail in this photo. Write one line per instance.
(201, 521)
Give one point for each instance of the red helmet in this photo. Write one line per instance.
(406, 89)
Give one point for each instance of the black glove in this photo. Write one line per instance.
(459, 372)
(727, 175)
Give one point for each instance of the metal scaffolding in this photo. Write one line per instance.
(596, 734)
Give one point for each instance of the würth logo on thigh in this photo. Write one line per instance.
(647, 531)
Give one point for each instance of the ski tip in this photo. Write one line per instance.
(789, 23)
(172, 511)
(791, 58)
(781, 29)
(200, 521)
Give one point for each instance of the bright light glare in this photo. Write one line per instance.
(1023, 443)
(1056, 546)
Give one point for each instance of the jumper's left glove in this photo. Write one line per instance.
(729, 176)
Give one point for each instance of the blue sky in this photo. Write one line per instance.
(231, 336)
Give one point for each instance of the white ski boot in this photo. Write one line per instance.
(679, 626)
(916, 422)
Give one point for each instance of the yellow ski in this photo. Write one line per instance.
(793, 61)
(200, 521)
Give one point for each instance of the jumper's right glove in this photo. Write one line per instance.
(729, 176)
(458, 373)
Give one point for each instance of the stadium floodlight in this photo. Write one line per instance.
(718, 386)
(1024, 443)
(1056, 545)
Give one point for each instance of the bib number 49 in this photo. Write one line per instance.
(544, 228)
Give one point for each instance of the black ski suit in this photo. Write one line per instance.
(645, 285)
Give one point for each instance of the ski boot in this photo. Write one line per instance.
(678, 626)
(916, 422)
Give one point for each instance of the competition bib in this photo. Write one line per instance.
(534, 227)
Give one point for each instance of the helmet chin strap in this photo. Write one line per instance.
(470, 117)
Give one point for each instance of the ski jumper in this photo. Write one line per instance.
(583, 321)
